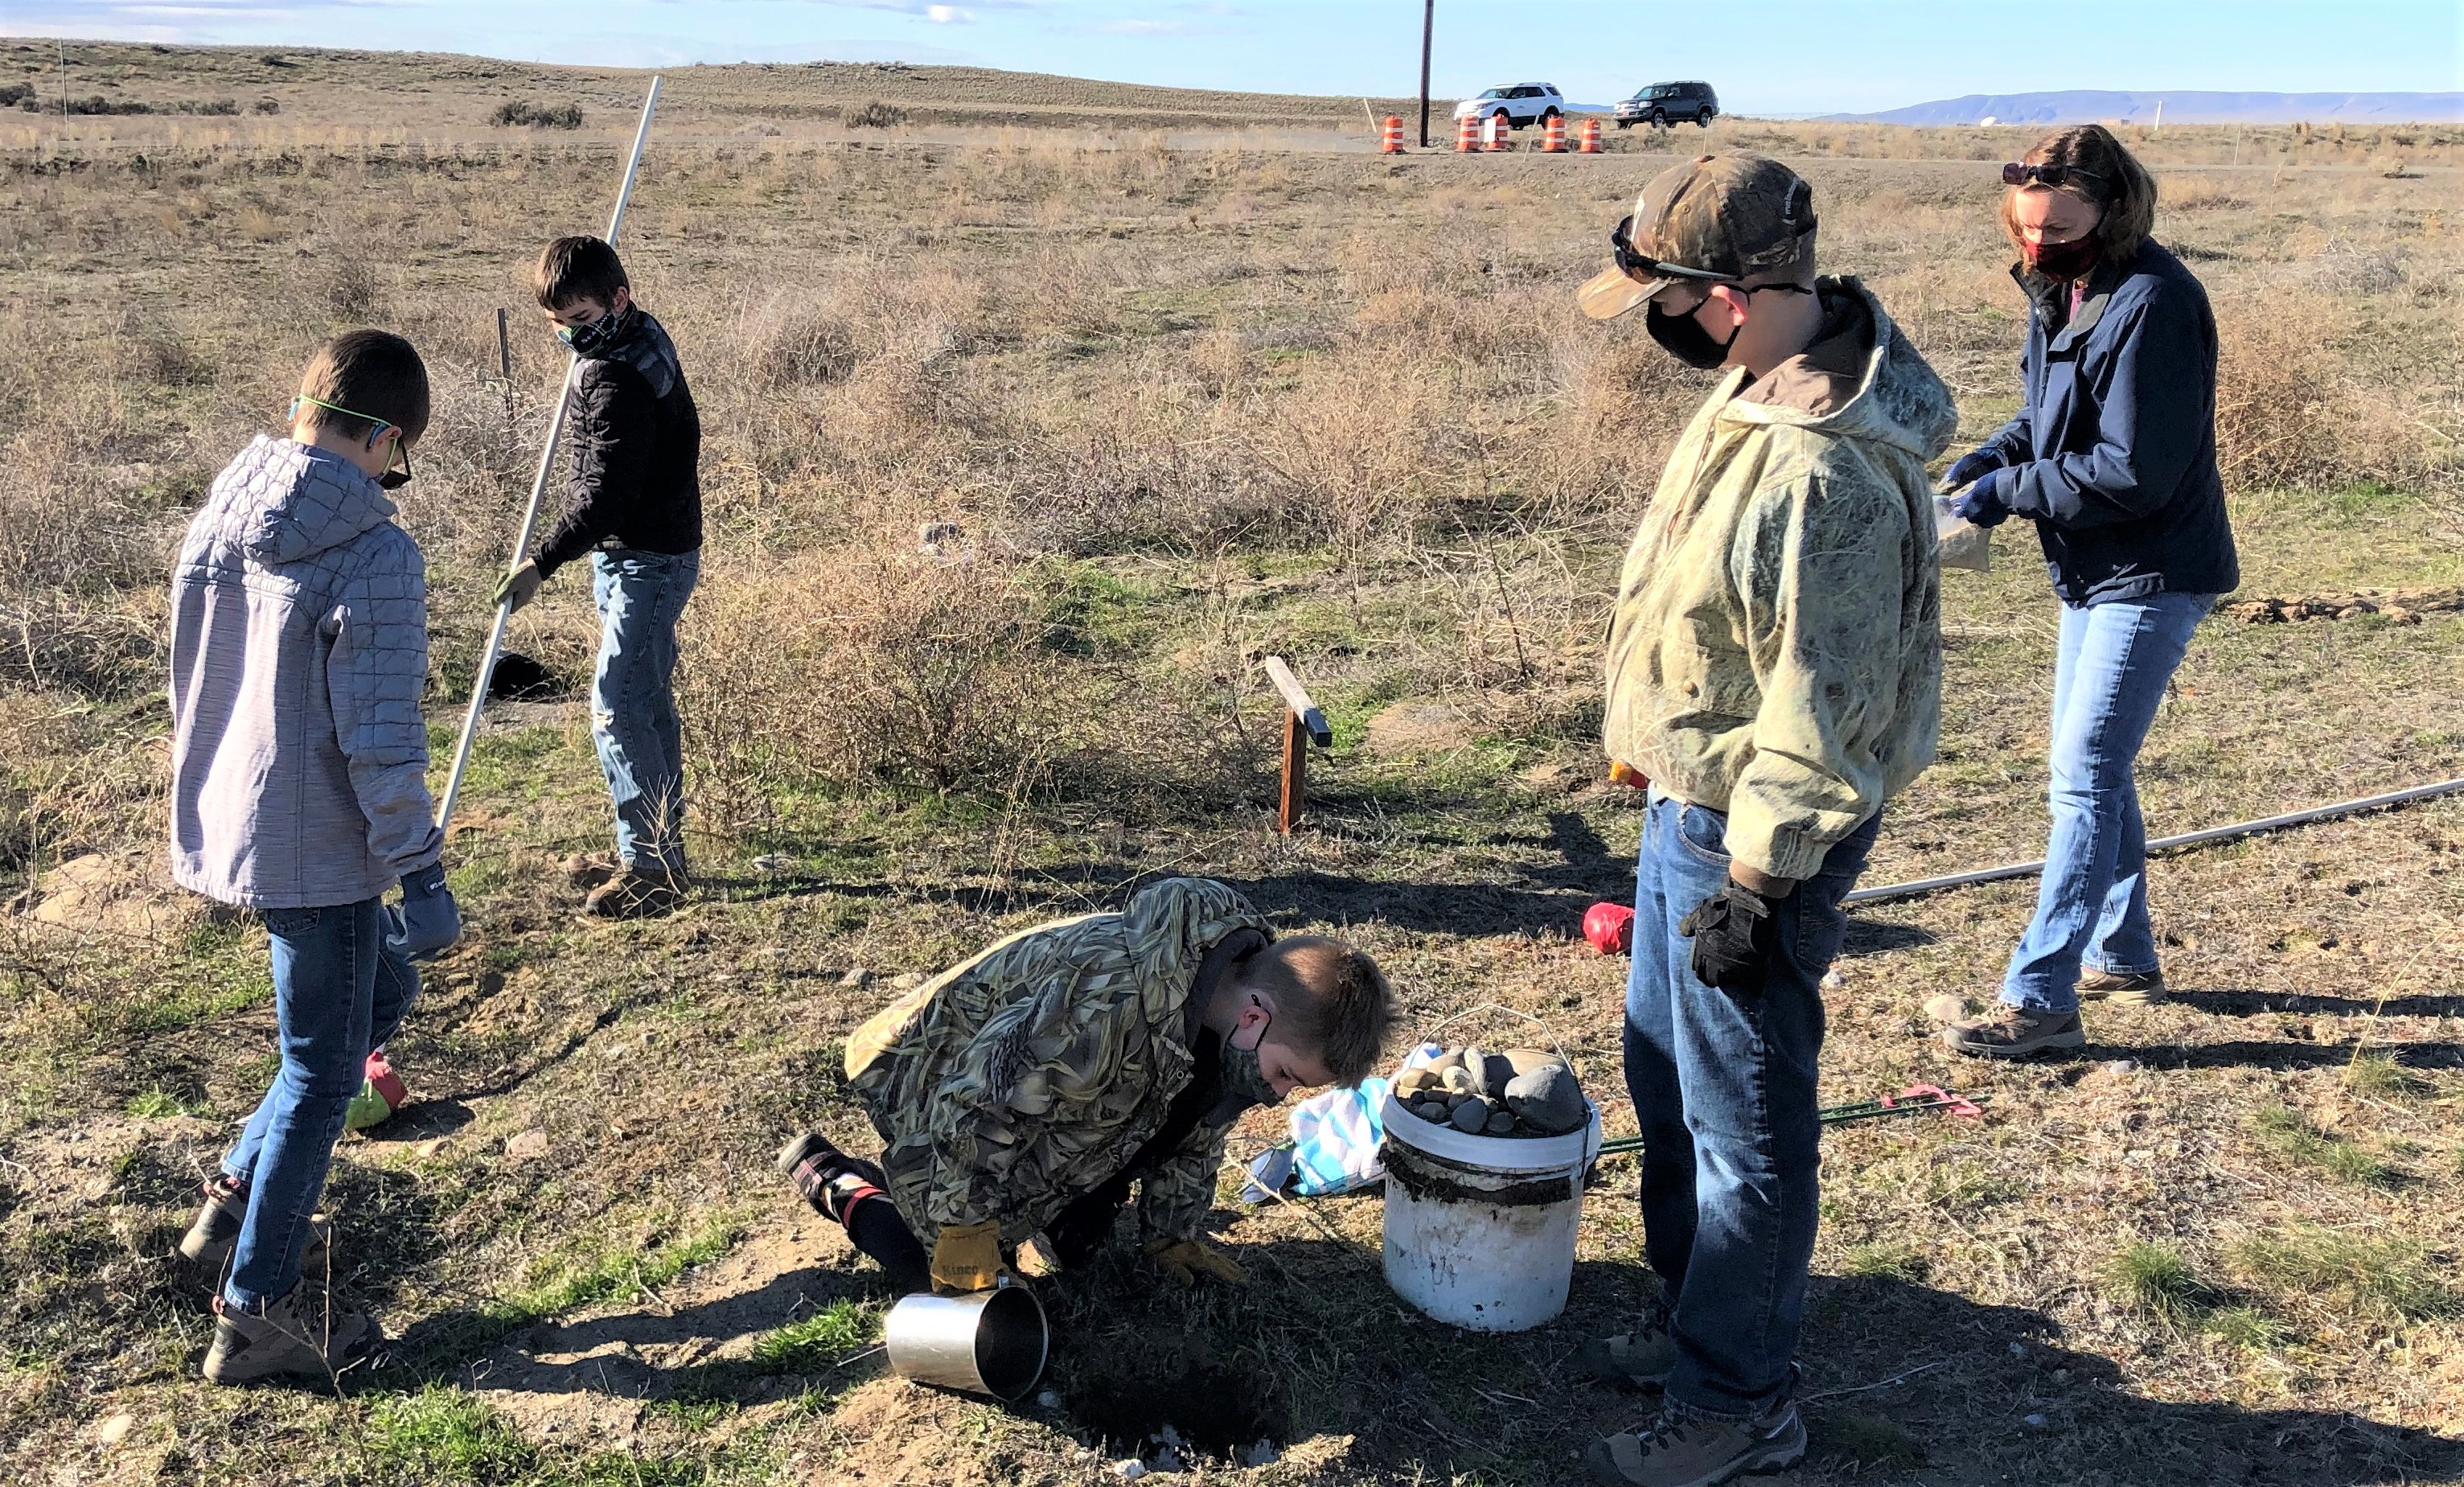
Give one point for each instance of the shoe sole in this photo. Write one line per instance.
(1603, 1467)
(2056, 1042)
(2124, 998)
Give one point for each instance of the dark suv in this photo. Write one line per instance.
(1664, 104)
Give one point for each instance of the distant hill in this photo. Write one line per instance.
(2081, 106)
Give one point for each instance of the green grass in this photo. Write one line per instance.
(443, 1435)
(2389, 1278)
(2376, 1076)
(1893, 1259)
(2244, 1326)
(2154, 1278)
(2285, 1130)
(159, 1103)
(819, 1341)
(1873, 1443)
(596, 1274)
(444, 1438)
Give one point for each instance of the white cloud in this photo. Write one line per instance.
(947, 15)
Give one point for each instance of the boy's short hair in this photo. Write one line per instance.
(375, 375)
(1330, 999)
(578, 268)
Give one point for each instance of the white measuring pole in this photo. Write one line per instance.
(538, 489)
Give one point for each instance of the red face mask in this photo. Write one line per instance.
(2063, 261)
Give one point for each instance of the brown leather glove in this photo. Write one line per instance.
(1187, 1259)
(967, 1257)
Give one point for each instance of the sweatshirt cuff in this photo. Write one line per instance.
(1779, 851)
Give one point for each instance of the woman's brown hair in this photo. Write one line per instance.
(2122, 188)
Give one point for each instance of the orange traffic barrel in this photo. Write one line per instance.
(1501, 134)
(1552, 135)
(1393, 142)
(1467, 135)
(1591, 144)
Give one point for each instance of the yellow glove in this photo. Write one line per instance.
(966, 1257)
(1187, 1259)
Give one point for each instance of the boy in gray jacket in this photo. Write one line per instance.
(298, 790)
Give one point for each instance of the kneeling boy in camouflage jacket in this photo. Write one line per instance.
(1020, 1093)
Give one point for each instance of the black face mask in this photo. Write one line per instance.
(1682, 336)
(597, 338)
(1243, 1081)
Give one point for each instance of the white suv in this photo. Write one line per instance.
(1524, 103)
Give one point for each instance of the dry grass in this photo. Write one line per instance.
(1175, 381)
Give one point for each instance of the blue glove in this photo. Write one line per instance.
(1972, 467)
(427, 921)
(1981, 504)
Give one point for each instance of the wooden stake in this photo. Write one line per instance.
(1288, 813)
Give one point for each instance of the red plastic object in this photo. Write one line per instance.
(389, 1084)
(1610, 928)
(1954, 1104)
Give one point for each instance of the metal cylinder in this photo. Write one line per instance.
(990, 1343)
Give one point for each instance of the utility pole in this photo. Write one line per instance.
(1428, 24)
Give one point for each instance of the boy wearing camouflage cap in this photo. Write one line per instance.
(1773, 672)
(1019, 1094)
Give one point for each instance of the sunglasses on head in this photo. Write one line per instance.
(2016, 174)
(1643, 266)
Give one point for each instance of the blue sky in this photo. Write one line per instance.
(1771, 57)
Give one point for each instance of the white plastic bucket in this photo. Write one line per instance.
(1480, 1230)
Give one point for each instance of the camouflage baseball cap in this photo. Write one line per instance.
(1718, 219)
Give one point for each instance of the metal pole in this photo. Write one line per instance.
(538, 489)
(1428, 26)
(2376, 803)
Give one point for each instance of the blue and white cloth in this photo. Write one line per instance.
(1336, 1142)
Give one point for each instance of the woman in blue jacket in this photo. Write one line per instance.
(2113, 456)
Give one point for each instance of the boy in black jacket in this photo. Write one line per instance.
(635, 506)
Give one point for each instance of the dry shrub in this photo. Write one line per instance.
(2276, 421)
(790, 341)
(861, 667)
(876, 115)
(874, 666)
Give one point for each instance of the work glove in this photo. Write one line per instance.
(1187, 1259)
(1971, 468)
(429, 920)
(522, 585)
(967, 1257)
(1981, 504)
(1734, 937)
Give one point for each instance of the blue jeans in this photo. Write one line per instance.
(1724, 1087)
(2111, 672)
(632, 699)
(338, 990)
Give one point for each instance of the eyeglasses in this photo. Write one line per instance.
(2016, 174)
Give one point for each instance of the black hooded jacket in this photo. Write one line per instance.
(636, 453)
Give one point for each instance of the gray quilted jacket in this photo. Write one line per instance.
(298, 651)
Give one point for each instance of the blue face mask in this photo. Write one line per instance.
(597, 338)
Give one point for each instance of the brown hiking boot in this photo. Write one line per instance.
(206, 1249)
(1637, 1360)
(2144, 989)
(636, 893)
(587, 870)
(1685, 1450)
(2008, 1032)
(303, 1333)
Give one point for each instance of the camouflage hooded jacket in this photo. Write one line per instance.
(1010, 1084)
(1776, 652)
